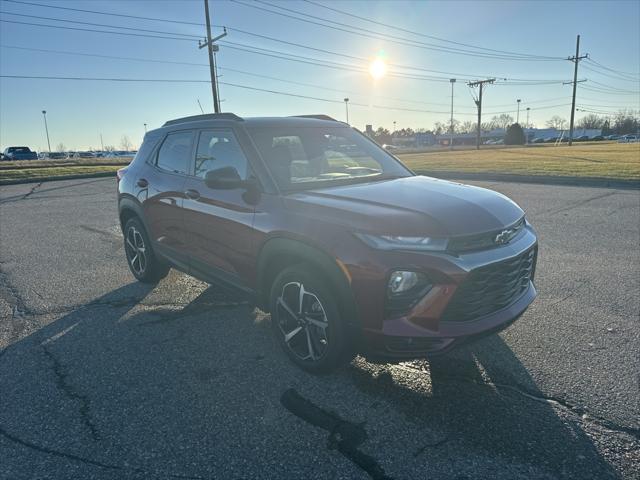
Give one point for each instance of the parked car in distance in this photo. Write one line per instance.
(628, 139)
(389, 147)
(57, 155)
(347, 248)
(538, 140)
(581, 138)
(550, 139)
(19, 153)
(612, 137)
(597, 138)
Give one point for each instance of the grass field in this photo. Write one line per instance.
(588, 160)
(591, 160)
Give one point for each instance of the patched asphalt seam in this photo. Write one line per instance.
(62, 382)
(582, 412)
(11, 295)
(95, 463)
(31, 191)
(344, 436)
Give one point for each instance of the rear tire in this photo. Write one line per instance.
(306, 320)
(142, 261)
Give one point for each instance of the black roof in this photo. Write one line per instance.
(318, 118)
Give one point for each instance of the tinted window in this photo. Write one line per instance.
(218, 149)
(175, 152)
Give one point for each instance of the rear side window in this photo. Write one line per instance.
(175, 152)
(145, 150)
(218, 149)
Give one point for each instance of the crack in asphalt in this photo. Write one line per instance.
(582, 412)
(16, 198)
(31, 191)
(95, 463)
(62, 382)
(344, 436)
(10, 294)
(579, 204)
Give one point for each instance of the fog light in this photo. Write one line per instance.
(402, 281)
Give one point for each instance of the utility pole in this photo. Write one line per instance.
(145, 128)
(527, 126)
(518, 114)
(575, 60)
(452, 80)
(101, 143)
(346, 107)
(480, 84)
(212, 65)
(46, 128)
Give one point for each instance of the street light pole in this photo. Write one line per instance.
(527, 126)
(394, 128)
(346, 107)
(46, 129)
(518, 114)
(452, 80)
(145, 128)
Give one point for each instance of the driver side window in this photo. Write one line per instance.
(218, 149)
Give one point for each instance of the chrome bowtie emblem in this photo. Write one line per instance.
(503, 237)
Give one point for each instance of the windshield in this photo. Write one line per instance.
(311, 157)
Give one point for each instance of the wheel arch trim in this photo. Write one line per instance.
(334, 270)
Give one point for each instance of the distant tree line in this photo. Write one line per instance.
(622, 123)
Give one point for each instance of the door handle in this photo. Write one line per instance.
(142, 183)
(192, 194)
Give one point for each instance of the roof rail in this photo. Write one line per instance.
(206, 116)
(319, 116)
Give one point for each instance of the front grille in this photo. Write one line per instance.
(487, 240)
(491, 288)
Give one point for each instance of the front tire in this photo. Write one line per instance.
(306, 320)
(142, 261)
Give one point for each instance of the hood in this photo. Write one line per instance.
(410, 206)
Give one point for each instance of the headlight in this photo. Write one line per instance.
(387, 242)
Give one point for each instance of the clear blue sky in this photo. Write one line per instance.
(78, 111)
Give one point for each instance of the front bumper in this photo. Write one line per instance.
(422, 330)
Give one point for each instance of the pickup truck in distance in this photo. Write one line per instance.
(19, 153)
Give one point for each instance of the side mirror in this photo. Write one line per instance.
(225, 178)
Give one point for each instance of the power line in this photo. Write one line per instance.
(395, 27)
(609, 75)
(266, 37)
(95, 31)
(246, 87)
(389, 38)
(608, 92)
(636, 74)
(102, 25)
(107, 13)
(253, 74)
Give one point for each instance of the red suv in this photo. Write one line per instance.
(347, 248)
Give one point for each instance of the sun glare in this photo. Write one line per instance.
(377, 69)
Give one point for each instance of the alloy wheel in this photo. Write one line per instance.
(303, 322)
(136, 251)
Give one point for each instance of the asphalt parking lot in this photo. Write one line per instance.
(101, 377)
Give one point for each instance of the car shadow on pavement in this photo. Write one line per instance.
(482, 398)
(129, 387)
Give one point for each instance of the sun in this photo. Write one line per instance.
(377, 69)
